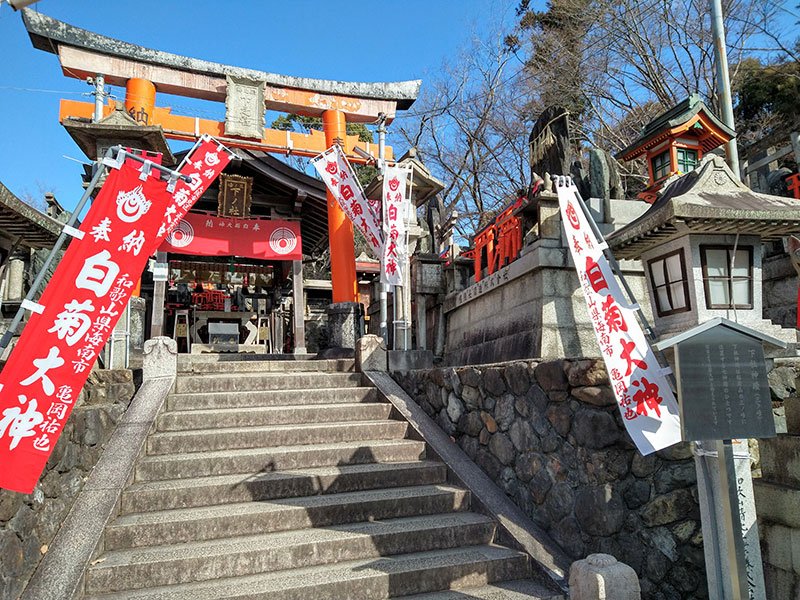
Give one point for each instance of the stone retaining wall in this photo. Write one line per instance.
(28, 522)
(550, 435)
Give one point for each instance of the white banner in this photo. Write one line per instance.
(395, 213)
(643, 394)
(335, 170)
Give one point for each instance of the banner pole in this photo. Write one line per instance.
(384, 309)
(12, 328)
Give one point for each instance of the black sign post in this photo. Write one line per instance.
(723, 395)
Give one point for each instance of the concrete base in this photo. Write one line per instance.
(236, 348)
(409, 360)
(333, 352)
(345, 324)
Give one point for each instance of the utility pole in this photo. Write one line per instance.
(384, 330)
(724, 82)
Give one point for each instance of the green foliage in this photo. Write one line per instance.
(767, 96)
(304, 123)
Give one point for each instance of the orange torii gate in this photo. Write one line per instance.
(247, 93)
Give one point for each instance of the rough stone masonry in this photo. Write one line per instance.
(550, 435)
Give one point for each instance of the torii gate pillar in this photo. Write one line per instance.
(340, 229)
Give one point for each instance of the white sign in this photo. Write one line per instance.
(341, 181)
(395, 213)
(643, 394)
(160, 272)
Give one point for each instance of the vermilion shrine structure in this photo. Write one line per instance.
(247, 94)
(674, 142)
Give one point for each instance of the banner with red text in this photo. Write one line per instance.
(643, 394)
(208, 235)
(341, 181)
(83, 301)
(395, 213)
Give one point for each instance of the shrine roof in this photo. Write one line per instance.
(47, 34)
(682, 113)
(709, 199)
(279, 191)
(17, 219)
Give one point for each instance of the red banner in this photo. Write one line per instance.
(83, 302)
(254, 238)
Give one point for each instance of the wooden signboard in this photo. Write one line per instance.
(722, 383)
(235, 196)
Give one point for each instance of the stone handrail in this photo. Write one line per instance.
(60, 574)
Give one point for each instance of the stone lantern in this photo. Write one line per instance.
(700, 245)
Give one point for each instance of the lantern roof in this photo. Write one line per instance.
(708, 200)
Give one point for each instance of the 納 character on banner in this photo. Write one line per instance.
(133, 242)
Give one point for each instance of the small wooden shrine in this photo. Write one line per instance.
(675, 141)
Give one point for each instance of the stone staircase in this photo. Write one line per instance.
(290, 480)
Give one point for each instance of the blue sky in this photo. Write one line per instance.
(327, 40)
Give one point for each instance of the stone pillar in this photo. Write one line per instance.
(603, 577)
(712, 513)
(344, 328)
(299, 307)
(340, 229)
(14, 284)
(159, 296)
(160, 358)
(371, 354)
(777, 496)
(422, 323)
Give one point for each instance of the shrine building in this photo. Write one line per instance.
(675, 141)
(231, 272)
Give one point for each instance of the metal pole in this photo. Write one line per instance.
(384, 330)
(724, 82)
(12, 328)
(99, 95)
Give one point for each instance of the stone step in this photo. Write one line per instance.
(271, 415)
(249, 555)
(264, 460)
(245, 382)
(196, 364)
(523, 589)
(221, 489)
(205, 440)
(207, 400)
(226, 520)
(365, 579)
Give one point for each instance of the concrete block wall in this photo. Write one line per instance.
(29, 522)
(777, 496)
(550, 435)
